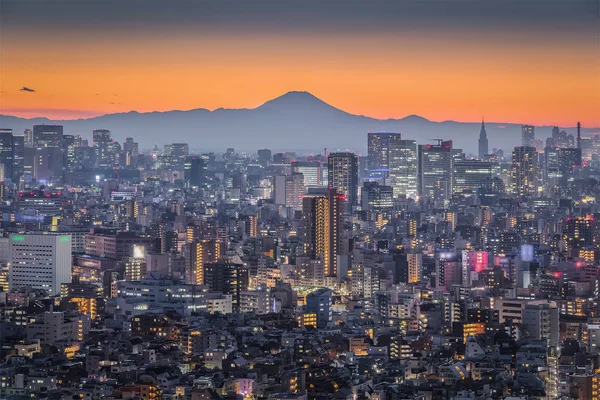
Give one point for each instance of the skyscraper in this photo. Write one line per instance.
(102, 141)
(18, 157)
(483, 141)
(528, 136)
(470, 175)
(47, 136)
(568, 160)
(343, 176)
(28, 134)
(322, 217)
(6, 154)
(194, 171)
(378, 146)
(40, 261)
(403, 168)
(289, 190)
(435, 170)
(524, 171)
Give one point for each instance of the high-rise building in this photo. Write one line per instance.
(48, 164)
(289, 190)
(227, 277)
(130, 151)
(194, 171)
(540, 321)
(403, 168)
(435, 170)
(552, 172)
(311, 170)
(470, 175)
(483, 141)
(322, 216)
(6, 154)
(376, 197)
(197, 254)
(580, 231)
(378, 148)
(18, 157)
(102, 145)
(47, 136)
(528, 136)
(342, 175)
(265, 157)
(28, 135)
(136, 266)
(176, 153)
(524, 172)
(40, 261)
(568, 160)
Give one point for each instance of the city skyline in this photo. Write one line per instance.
(520, 62)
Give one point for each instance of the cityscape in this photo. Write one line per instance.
(140, 260)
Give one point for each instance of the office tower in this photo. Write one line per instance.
(227, 277)
(376, 197)
(580, 231)
(528, 136)
(483, 141)
(378, 147)
(342, 173)
(470, 175)
(435, 170)
(176, 154)
(568, 160)
(552, 172)
(312, 171)
(40, 261)
(18, 158)
(6, 154)
(524, 172)
(403, 168)
(540, 321)
(322, 217)
(28, 135)
(47, 136)
(130, 151)
(41, 203)
(264, 157)
(194, 171)
(320, 302)
(288, 190)
(197, 254)
(69, 152)
(102, 147)
(48, 165)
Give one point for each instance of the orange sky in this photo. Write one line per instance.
(458, 77)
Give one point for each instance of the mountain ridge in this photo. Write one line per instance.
(294, 120)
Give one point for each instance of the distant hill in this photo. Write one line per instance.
(294, 121)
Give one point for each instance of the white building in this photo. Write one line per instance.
(40, 261)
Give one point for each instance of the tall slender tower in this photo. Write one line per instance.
(483, 141)
(579, 136)
(322, 216)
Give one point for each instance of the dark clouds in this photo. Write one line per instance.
(26, 89)
(294, 16)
